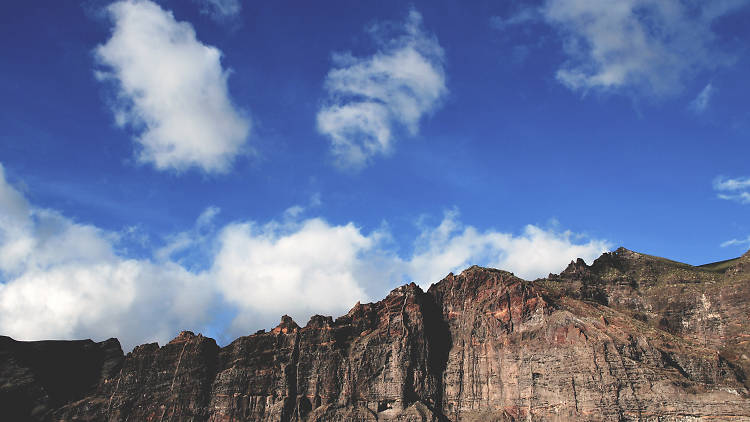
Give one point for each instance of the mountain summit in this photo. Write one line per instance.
(629, 337)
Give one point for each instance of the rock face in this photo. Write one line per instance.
(41, 376)
(630, 337)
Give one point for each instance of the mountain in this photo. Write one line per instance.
(630, 337)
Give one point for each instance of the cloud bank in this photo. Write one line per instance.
(372, 99)
(171, 90)
(64, 279)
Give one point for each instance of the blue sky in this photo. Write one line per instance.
(213, 164)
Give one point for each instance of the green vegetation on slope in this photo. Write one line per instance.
(719, 266)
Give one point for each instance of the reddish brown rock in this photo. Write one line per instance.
(373, 361)
(707, 306)
(630, 337)
(521, 350)
(155, 383)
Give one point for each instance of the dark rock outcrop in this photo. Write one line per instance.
(38, 377)
(630, 337)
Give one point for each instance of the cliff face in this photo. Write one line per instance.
(704, 306)
(41, 376)
(631, 337)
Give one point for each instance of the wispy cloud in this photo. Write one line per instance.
(741, 197)
(64, 279)
(733, 189)
(700, 103)
(736, 242)
(220, 10)
(523, 16)
(724, 184)
(171, 90)
(372, 99)
(645, 46)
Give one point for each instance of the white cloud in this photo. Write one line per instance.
(700, 103)
(276, 268)
(452, 246)
(649, 46)
(724, 184)
(220, 10)
(171, 90)
(15, 242)
(523, 16)
(371, 99)
(190, 247)
(741, 197)
(736, 242)
(63, 279)
(298, 268)
(733, 189)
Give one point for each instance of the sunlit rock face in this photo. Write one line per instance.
(630, 337)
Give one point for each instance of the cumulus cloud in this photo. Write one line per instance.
(700, 103)
(266, 270)
(171, 90)
(64, 279)
(274, 268)
(372, 99)
(733, 189)
(536, 252)
(646, 46)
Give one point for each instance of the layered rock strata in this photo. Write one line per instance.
(630, 337)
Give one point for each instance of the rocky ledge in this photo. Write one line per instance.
(630, 337)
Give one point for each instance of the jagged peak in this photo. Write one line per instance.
(575, 266)
(478, 268)
(286, 325)
(468, 272)
(187, 336)
(184, 336)
(405, 289)
(355, 309)
(322, 321)
(145, 348)
(475, 277)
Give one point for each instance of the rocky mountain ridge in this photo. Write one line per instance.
(629, 337)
